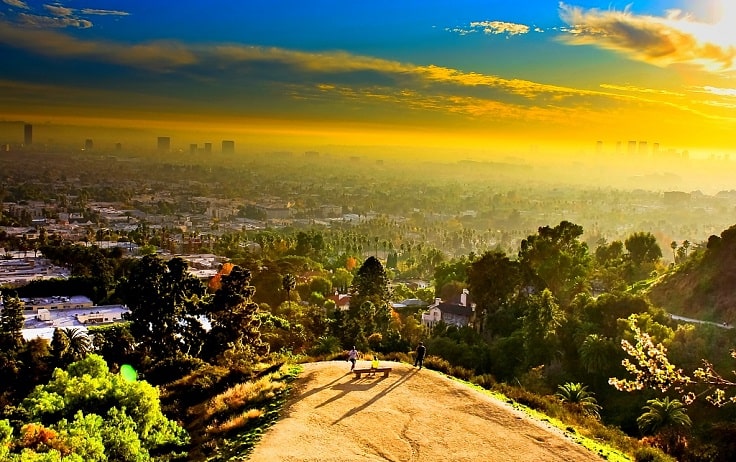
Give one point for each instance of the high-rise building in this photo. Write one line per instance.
(208, 148)
(118, 146)
(164, 144)
(631, 150)
(193, 148)
(642, 148)
(228, 147)
(27, 134)
(88, 144)
(599, 147)
(655, 149)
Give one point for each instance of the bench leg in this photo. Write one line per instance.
(385, 373)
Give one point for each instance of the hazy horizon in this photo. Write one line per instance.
(461, 77)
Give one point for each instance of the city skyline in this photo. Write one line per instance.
(410, 74)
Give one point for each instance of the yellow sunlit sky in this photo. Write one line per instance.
(409, 73)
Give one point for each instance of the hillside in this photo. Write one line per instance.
(702, 287)
(412, 415)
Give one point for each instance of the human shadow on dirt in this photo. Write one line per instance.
(348, 387)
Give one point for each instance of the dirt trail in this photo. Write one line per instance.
(411, 416)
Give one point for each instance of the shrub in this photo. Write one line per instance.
(438, 364)
(650, 454)
(486, 381)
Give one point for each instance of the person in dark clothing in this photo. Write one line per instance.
(421, 351)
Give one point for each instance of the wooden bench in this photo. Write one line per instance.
(371, 370)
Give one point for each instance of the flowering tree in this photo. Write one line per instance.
(651, 368)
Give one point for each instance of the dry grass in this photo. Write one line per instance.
(235, 422)
(243, 394)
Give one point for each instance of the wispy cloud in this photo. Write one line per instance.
(635, 89)
(17, 4)
(55, 15)
(662, 41)
(35, 20)
(92, 11)
(494, 28)
(730, 92)
(58, 10)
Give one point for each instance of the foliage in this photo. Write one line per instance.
(557, 260)
(234, 319)
(650, 367)
(11, 324)
(94, 415)
(164, 301)
(577, 394)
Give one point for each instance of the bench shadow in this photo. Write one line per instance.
(376, 397)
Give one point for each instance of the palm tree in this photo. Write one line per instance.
(80, 344)
(578, 395)
(662, 416)
(289, 283)
(673, 246)
(597, 353)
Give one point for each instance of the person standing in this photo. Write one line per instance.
(421, 351)
(352, 357)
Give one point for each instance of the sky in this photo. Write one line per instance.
(483, 74)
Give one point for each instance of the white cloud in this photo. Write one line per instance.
(500, 27)
(494, 28)
(659, 40)
(58, 10)
(47, 21)
(730, 92)
(17, 3)
(93, 11)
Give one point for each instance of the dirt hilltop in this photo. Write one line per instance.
(411, 416)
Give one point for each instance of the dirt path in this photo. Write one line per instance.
(411, 416)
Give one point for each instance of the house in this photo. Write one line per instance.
(458, 312)
(342, 301)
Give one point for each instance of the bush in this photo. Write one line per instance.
(486, 381)
(438, 364)
(650, 454)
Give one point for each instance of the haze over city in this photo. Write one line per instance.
(463, 78)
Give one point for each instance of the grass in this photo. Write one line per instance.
(227, 426)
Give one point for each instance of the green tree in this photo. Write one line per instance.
(164, 301)
(494, 281)
(543, 317)
(11, 324)
(556, 259)
(643, 248)
(289, 283)
(370, 309)
(663, 414)
(578, 395)
(235, 320)
(99, 416)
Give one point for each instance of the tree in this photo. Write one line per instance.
(541, 322)
(663, 414)
(11, 324)
(79, 344)
(87, 411)
(493, 280)
(289, 284)
(578, 395)
(643, 248)
(556, 259)
(164, 301)
(369, 301)
(597, 354)
(235, 320)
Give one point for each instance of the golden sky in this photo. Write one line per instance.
(456, 74)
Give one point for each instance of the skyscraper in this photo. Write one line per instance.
(208, 148)
(228, 147)
(88, 144)
(164, 144)
(27, 134)
(192, 148)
